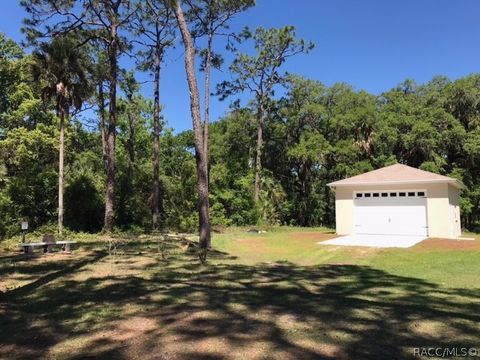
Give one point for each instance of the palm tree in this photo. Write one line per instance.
(60, 69)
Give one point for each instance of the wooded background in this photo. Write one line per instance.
(311, 135)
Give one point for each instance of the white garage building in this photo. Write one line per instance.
(398, 200)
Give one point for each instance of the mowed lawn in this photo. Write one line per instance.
(277, 295)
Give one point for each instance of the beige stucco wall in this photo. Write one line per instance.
(438, 211)
(344, 210)
(454, 201)
(439, 198)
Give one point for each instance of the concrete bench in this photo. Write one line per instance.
(47, 246)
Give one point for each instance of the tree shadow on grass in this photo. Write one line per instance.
(182, 310)
(45, 271)
(56, 271)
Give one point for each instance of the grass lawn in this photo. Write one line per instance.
(261, 296)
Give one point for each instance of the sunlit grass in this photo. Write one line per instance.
(445, 266)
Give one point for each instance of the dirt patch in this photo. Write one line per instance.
(18, 269)
(448, 244)
(311, 236)
(428, 328)
(254, 244)
(363, 252)
(118, 266)
(127, 335)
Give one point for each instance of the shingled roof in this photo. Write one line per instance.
(395, 174)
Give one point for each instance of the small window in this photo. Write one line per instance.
(393, 194)
(421, 193)
(401, 194)
(384, 194)
(376, 194)
(359, 195)
(368, 195)
(411, 194)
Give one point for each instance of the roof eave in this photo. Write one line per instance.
(403, 182)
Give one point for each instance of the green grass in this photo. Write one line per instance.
(437, 264)
(272, 295)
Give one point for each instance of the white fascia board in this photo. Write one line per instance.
(452, 182)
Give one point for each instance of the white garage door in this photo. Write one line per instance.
(391, 213)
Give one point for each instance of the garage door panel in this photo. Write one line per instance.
(394, 216)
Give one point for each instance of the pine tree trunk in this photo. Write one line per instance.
(132, 123)
(206, 119)
(110, 136)
(61, 151)
(202, 181)
(258, 159)
(156, 145)
(103, 137)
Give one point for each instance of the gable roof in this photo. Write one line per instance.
(395, 174)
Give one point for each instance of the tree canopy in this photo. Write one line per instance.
(311, 134)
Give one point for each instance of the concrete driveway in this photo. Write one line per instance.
(381, 241)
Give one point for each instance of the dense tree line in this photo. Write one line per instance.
(265, 162)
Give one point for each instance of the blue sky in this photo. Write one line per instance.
(370, 44)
